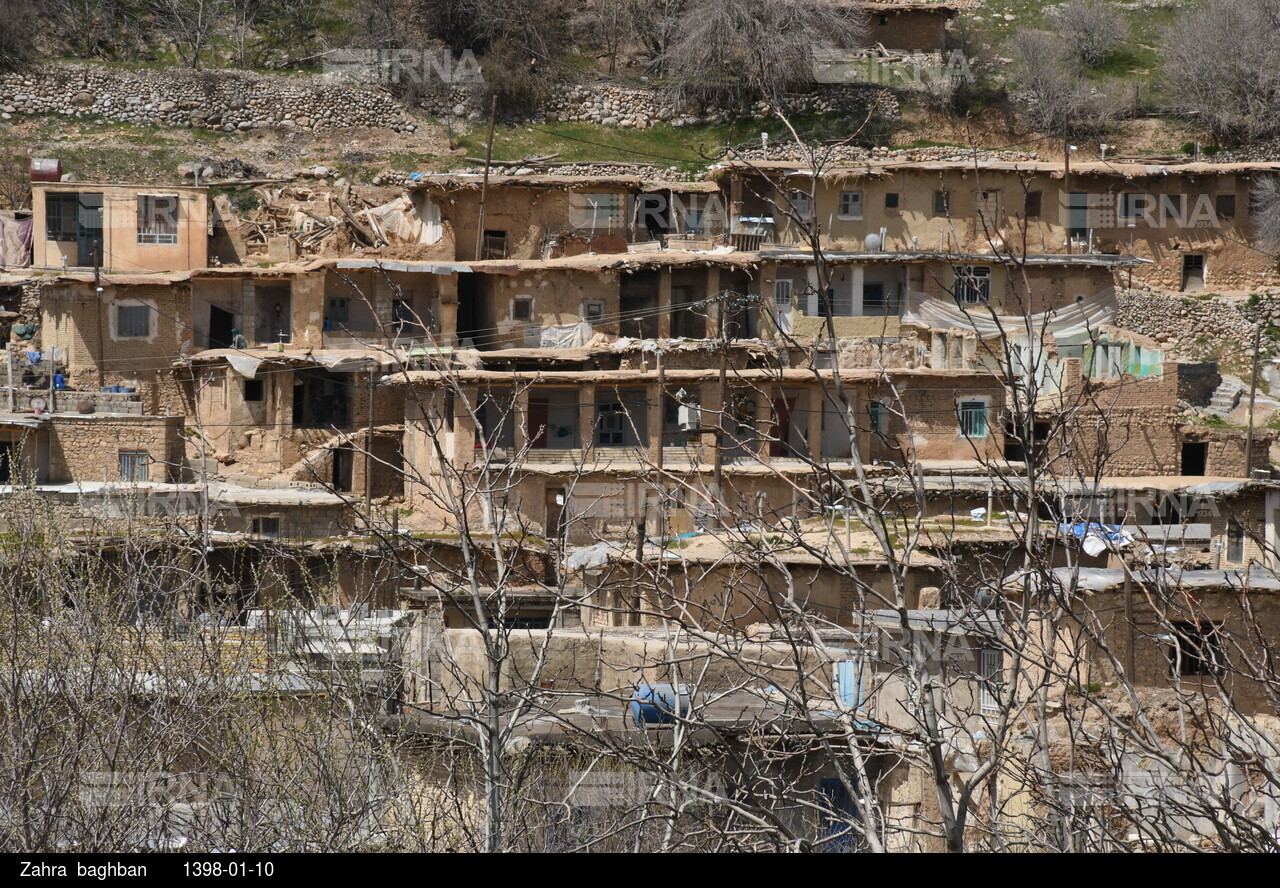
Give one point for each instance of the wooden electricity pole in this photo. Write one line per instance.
(484, 185)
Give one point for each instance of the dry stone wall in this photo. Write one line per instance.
(1192, 326)
(226, 100)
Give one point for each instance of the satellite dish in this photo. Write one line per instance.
(38, 404)
(872, 243)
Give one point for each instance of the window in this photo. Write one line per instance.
(522, 308)
(876, 417)
(1032, 205)
(884, 20)
(339, 310)
(133, 321)
(134, 465)
(1195, 649)
(1226, 206)
(891, 200)
(973, 419)
(495, 245)
(1134, 206)
(610, 430)
(941, 203)
(991, 675)
(973, 284)
(599, 210)
(321, 399)
(254, 390)
(157, 219)
(988, 204)
(593, 312)
(850, 204)
(801, 204)
(267, 527)
(1235, 541)
(60, 216)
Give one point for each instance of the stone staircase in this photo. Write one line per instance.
(1226, 397)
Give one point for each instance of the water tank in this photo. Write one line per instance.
(657, 704)
(46, 169)
(872, 243)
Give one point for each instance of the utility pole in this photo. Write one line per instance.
(1066, 184)
(718, 464)
(1253, 394)
(368, 452)
(97, 298)
(484, 185)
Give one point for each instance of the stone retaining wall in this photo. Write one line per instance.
(226, 100)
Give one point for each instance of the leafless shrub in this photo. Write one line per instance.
(1053, 95)
(731, 51)
(1092, 29)
(1221, 68)
(1264, 210)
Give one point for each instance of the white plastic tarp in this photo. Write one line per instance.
(403, 222)
(947, 314)
(565, 335)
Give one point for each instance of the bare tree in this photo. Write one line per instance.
(1264, 210)
(1220, 68)
(1092, 29)
(1053, 94)
(731, 51)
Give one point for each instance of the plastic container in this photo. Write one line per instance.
(657, 704)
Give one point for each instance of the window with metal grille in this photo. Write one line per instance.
(267, 527)
(850, 204)
(973, 285)
(133, 321)
(973, 419)
(157, 218)
(134, 465)
(599, 210)
(991, 676)
(60, 216)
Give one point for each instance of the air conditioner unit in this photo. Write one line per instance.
(690, 418)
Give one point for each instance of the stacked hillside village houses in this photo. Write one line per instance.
(604, 377)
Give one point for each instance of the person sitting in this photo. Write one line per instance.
(238, 340)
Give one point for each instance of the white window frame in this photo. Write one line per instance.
(973, 285)
(990, 679)
(850, 205)
(151, 231)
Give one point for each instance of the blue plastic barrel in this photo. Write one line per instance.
(657, 704)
